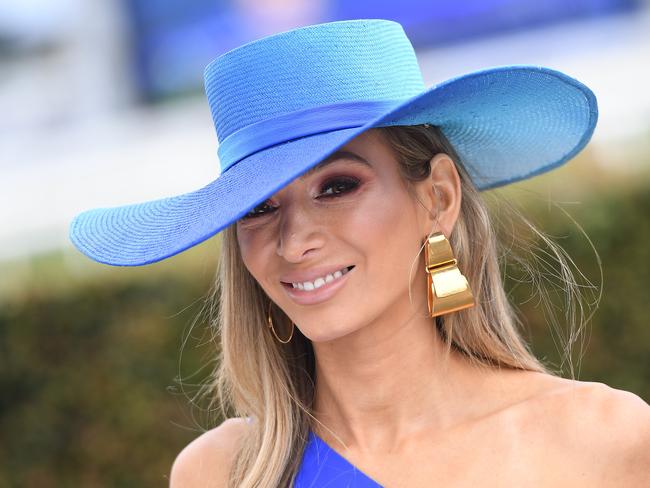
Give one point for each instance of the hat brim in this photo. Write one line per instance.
(506, 123)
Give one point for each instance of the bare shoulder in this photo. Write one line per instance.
(206, 461)
(603, 432)
(601, 410)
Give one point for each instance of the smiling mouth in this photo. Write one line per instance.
(319, 282)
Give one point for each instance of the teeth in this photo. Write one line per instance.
(318, 282)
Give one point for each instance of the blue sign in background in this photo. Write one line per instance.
(175, 39)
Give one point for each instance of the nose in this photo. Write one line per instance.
(300, 235)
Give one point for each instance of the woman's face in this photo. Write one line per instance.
(351, 210)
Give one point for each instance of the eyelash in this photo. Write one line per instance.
(351, 183)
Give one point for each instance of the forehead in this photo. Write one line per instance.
(358, 150)
(347, 154)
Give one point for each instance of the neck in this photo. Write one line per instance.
(390, 380)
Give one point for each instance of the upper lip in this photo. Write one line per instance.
(312, 273)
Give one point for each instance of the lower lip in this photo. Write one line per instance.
(319, 295)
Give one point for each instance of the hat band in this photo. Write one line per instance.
(301, 123)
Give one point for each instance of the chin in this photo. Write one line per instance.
(322, 332)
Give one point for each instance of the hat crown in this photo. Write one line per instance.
(323, 64)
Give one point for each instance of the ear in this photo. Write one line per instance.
(441, 194)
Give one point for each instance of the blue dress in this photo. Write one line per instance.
(322, 467)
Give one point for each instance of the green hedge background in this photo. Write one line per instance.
(99, 366)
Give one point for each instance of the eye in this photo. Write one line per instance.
(338, 186)
(332, 188)
(262, 209)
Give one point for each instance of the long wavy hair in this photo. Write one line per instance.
(273, 384)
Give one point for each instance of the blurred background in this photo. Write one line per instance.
(102, 105)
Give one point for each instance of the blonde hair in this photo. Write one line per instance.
(273, 383)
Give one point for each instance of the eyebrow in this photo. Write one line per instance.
(335, 157)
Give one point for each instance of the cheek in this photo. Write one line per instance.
(374, 219)
(251, 255)
(384, 227)
(391, 233)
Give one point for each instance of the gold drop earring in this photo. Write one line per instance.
(268, 317)
(447, 288)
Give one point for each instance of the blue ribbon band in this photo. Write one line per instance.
(301, 123)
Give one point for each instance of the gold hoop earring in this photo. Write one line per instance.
(447, 289)
(273, 330)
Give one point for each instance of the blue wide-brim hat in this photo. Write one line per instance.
(283, 103)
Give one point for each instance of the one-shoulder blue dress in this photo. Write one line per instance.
(322, 467)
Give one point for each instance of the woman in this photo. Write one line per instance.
(366, 338)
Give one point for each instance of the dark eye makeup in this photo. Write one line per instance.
(339, 185)
(332, 188)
